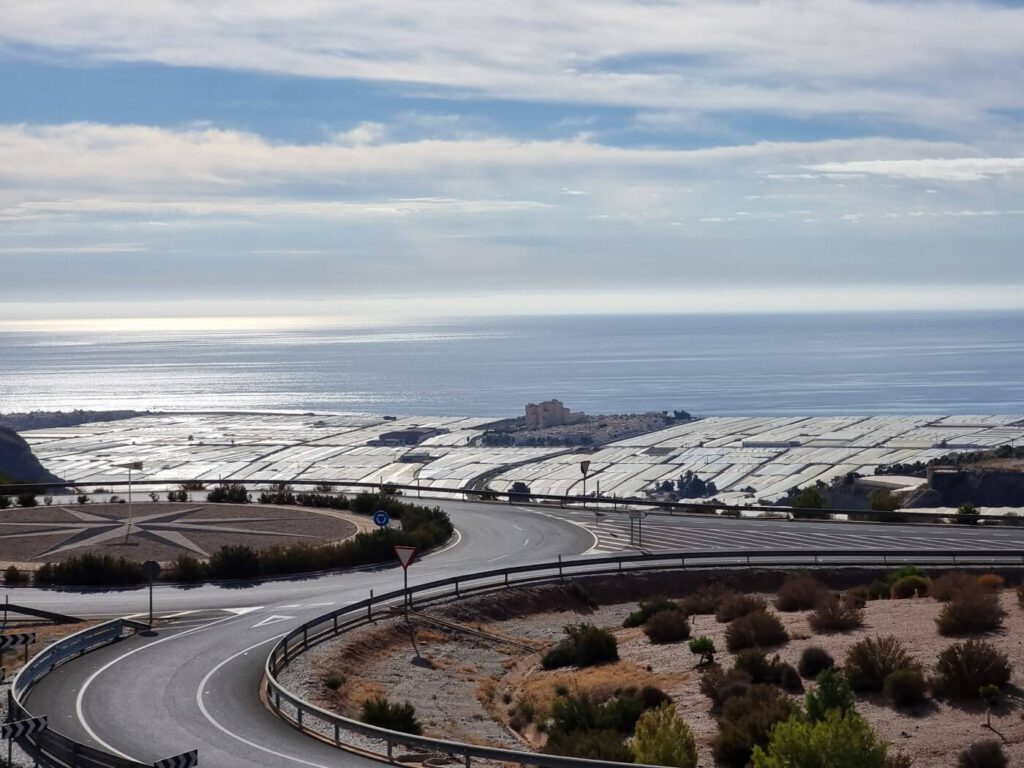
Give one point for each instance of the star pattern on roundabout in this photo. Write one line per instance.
(167, 527)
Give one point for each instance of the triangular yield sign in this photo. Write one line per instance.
(405, 555)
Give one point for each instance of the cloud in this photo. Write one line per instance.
(937, 169)
(914, 61)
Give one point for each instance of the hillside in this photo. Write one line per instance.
(18, 463)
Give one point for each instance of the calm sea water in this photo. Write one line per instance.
(807, 364)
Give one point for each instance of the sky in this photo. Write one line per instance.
(198, 157)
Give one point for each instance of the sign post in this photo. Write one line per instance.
(151, 570)
(19, 729)
(584, 468)
(405, 556)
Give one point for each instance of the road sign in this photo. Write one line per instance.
(20, 728)
(130, 465)
(151, 570)
(381, 519)
(405, 555)
(636, 514)
(15, 640)
(584, 467)
(184, 760)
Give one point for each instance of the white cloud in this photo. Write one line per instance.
(944, 60)
(937, 169)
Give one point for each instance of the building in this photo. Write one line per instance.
(550, 413)
(412, 436)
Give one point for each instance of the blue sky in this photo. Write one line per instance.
(589, 155)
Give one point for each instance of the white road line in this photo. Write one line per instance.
(454, 543)
(224, 730)
(80, 711)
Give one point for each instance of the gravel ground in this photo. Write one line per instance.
(452, 698)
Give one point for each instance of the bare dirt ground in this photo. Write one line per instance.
(161, 530)
(469, 689)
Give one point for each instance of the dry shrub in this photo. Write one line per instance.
(799, 593)
(970, 611)
(599, 682)
(648, 608)
(906, 687)
(963, 668)
(720, 685)
(734, 605)
(759, 629)
(983, 754)
(910, 586)
(747, 721)
(667, 627)
(946, 586)
(814, 661)
(834, 615)
(871, 660)
(703, 601)
(991, 581)
(856, 597)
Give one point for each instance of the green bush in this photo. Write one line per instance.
(5, 501)
(871, 660)
(234, 561)
(970, 611)
(910, 586)
(27, 499)
(589, 745)
(13, 576)
(813, 661)
(584, 646)
(906, 687)
(963, 668)
(92, 571)
(832, 692)
(647, 609)
(904, 570)
(704, 647)
(755, 630)
(838, 741)
(833, 615)
(878, 590)
(582, 712)
(667, 627)
(663, 738)
(856, 597)
(188, 570)
(395, 717)
(228, 493)
(983, 754)
(735, 605)
(746, 722)
(799, 593)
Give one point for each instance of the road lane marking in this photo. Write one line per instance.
(276, 618)
(232, 734)
(80, 710)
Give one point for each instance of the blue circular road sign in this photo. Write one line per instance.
(380, 517)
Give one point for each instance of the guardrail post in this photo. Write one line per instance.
(559, 566)
(390, 758)
(369, 608)
(468, 760)
(337, 734)
(305, 637)
(298, 714)
(335, 623)
(456, 587)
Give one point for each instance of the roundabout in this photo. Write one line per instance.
(162, 531)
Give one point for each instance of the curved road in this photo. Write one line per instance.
(195, 686)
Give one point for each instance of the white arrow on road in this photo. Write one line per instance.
(272, 620)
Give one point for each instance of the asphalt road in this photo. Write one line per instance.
(195, 685)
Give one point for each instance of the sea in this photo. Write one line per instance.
(801, 364)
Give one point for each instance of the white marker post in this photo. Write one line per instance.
(405, 556)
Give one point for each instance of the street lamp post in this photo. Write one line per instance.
(129, 465)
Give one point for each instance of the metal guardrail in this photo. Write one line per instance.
(51, 747)
(306, 716)
(614, 502)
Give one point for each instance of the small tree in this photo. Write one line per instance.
(991, 695)
(838, 741)
(967, 514)
(832, 693)
(705, 648)
(663, 738)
